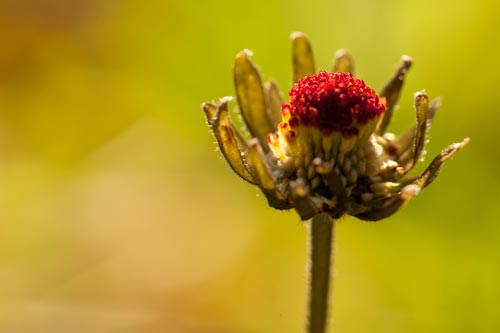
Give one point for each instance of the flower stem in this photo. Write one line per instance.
(321, 232)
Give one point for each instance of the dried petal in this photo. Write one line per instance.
(210, 112)
(301, 200)
(263, 176)
(259, 168)
(405, 141)
(335, 184)
(433, 107)
(433, 169)
(251, 97)
(391, 91)
(422, 111)
(228, 138)
(303, 60)
(390, 205)
(343, 62)
(275, 101)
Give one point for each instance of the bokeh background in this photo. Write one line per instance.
(118, 215)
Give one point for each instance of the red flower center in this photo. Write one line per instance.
(332, 102)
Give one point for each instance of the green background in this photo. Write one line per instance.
(118, 215)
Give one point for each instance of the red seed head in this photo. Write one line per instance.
(333, 102)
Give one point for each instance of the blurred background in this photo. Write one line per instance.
(118, 215)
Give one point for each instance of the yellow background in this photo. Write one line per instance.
(118, 215)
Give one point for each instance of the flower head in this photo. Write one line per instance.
(328, 112)
(333, 102)
(327, 150)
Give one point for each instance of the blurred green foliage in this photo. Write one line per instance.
(116, 214)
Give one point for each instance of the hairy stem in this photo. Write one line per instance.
(321, 232)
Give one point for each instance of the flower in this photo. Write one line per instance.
(328, 149)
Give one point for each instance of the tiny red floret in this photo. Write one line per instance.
(333, 102)
(273, 138)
